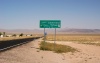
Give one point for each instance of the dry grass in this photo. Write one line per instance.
(93, 39)
(74, 37)
(12, 38)
(91, 43)
(56, 47)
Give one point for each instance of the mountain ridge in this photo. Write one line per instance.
(64, 30)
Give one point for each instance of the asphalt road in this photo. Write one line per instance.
(5, 45)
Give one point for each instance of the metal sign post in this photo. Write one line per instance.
(55, 39)
(50, 24)
(44, 35)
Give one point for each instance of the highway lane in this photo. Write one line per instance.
(5, 45)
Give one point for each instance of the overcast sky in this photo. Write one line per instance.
(26, 14)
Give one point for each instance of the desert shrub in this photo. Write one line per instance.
(58, 48)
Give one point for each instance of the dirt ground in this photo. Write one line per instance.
(29, 53)
(86, 54)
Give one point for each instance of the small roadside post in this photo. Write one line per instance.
(45, 35)
(50, 24)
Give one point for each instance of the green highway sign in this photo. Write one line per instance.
(50, 24)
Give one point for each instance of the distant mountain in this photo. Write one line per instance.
(18, 31)
(90, 31)
(62, 31)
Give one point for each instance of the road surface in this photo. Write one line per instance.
(29, 53)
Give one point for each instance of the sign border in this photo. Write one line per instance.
(50, 21)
